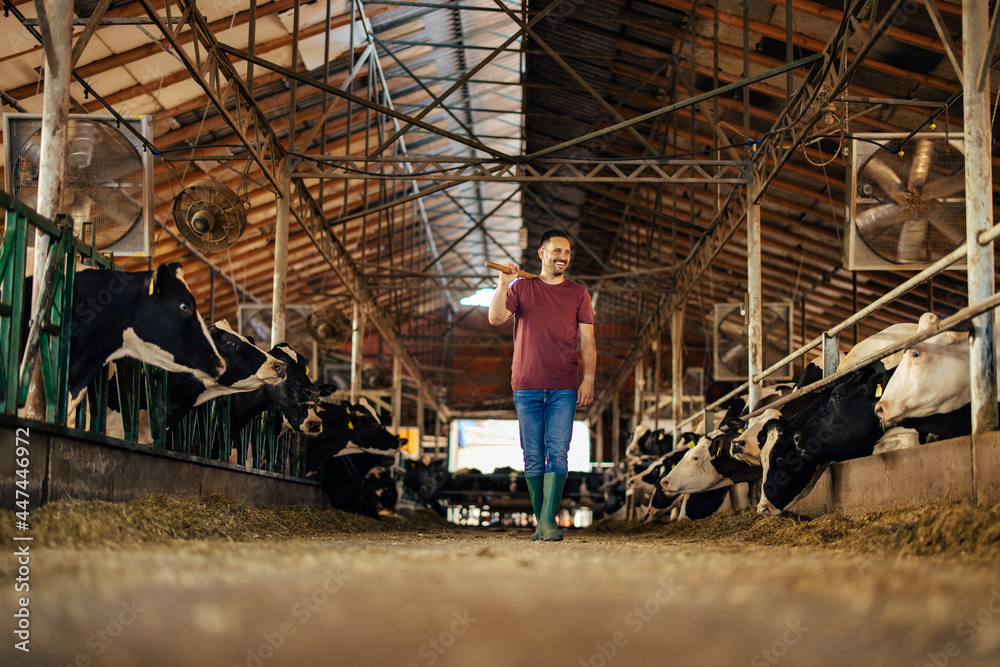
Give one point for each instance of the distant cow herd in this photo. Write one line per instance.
(772, 459)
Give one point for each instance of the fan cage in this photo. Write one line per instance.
(729, 333)
(879, 252)
(222, 203)
(125, 233)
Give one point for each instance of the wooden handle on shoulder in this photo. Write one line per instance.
(503, 268)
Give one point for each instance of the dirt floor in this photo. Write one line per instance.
(210, 582)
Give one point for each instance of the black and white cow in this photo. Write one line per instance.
(359, 483)
(295, 398)
(709, 465)
(354, 453)
(648, 443)
(839, 425)
(148, 315)
(424, 480)
(760, 429)
(348, 429)
(247, 368)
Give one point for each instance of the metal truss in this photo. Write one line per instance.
(214, 72)
(772, 156)
(309, 216)
(460, 170)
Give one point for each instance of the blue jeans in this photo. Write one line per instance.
(545, 421)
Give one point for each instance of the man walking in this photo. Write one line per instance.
(551, 316)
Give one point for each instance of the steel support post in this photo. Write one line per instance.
(397, 393)
(755, 354)
(831, 353)
(357, 339)
(640, 386)
(979, 211)
(56, 18)
(677, 369)
(282, 199)
(616, 417)
(657, 371)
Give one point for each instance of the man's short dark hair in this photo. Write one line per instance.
(553, 233)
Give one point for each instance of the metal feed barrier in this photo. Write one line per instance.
(202, 434)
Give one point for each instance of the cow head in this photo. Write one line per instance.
(932, 377)
(247, 366)
(165, 329)
(695, 471)
(426, 478)
(303, 418)
(748, 444)
(297, 388)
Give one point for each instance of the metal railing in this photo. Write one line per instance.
(203, 434)
(829, 339)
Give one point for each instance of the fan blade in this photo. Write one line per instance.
(877, 219)
(887, 179)
(937, 214)
(921, 164)
(911, 240)
(943, 188)
(120, 212)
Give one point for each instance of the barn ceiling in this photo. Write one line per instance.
(424, 138)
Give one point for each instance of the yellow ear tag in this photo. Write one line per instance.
(350, 425)
(740, 431)
(691, 445)
(878, 391)
(660, 437)
(152, 286)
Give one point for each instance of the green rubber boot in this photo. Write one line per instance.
(552, 494)
(535, 490)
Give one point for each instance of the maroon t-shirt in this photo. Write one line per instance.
(546, 329)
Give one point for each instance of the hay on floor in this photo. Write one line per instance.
(157, 519)
(944, 528)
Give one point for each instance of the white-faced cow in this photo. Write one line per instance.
(757, 432)
(148, 315)
(932, 378)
